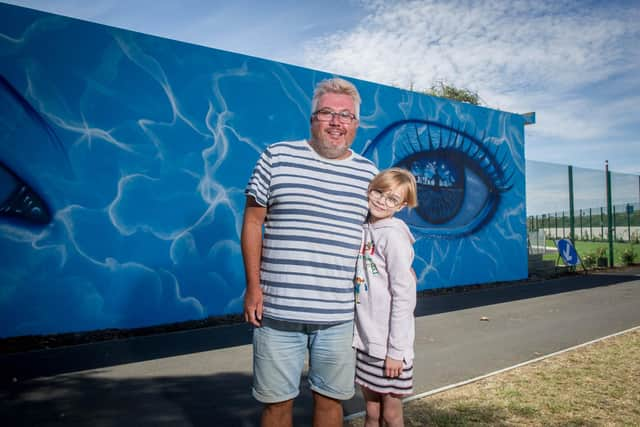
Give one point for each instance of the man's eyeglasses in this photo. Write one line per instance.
(390, 200)
(343, 117)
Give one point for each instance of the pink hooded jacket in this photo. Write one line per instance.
(385, 291)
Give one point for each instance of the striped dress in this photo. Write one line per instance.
(370, 374)
(312, 232)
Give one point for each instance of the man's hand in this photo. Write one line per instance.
(392, 367)
(253, 306)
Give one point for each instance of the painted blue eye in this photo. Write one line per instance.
(460, 179)
(28, 144)
(19, 201)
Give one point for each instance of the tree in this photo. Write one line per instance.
(445, 90)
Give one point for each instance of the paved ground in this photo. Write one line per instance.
(203, 377)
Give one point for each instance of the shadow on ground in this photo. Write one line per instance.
(206, 400)
(184, 401)
(48, 362)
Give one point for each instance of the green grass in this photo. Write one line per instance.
(588, 247)
(596, 385)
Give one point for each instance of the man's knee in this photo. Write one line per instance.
(325, 401)
(327, 411)
(279, 406)
(277, 414)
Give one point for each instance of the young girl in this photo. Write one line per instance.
(385, 300)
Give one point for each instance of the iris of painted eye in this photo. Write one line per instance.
(459, 178)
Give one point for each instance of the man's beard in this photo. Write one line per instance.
(327, 150)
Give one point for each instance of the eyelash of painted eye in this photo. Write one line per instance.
(458, 140)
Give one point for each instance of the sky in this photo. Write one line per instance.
(574, 63)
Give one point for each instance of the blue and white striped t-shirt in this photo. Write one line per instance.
(315, 210)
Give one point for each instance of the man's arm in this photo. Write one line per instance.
(251, 241)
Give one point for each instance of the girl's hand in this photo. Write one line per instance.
(392, 367)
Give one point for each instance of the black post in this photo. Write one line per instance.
(615, 223)
(609, 213)
(572, 234)
(629, 222)
(581, 232)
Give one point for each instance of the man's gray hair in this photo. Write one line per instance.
(339, 86)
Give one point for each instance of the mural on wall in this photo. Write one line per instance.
(124, 157)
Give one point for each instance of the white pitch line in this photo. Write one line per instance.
(481, 377)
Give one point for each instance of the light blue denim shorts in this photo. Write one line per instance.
(279, 353)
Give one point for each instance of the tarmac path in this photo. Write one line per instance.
(203, 377)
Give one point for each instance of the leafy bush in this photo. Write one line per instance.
(589, 260)
(601, 257)
(628, 256)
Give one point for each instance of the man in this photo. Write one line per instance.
(311, 198)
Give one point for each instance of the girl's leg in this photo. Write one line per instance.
(373, 400)
(392, 411)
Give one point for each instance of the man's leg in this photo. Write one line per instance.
(279, 350)
(331, 371)
(277, 414)
(327, 412)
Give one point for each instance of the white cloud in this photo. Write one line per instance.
(498, 47)
(572, 63)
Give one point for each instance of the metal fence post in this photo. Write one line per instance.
(609, 216)
(548, 227)
(572, 230)
(581, 230)
(628, 222)
(615, 224)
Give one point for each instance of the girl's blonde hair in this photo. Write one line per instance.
(397, 178)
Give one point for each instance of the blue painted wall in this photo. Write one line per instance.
(123, 159)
